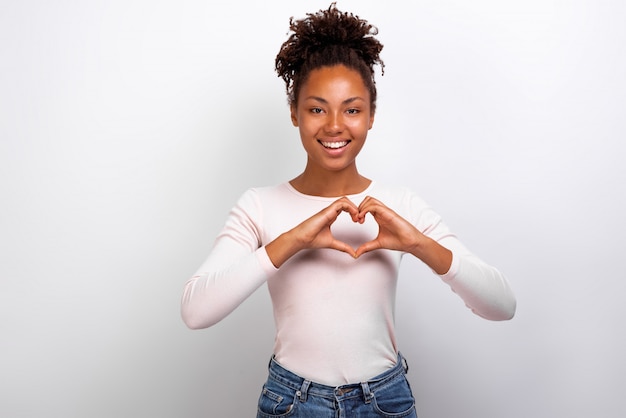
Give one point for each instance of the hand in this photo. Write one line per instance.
(313, 233)
(396, 233)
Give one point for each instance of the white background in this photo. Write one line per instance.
(129, 128)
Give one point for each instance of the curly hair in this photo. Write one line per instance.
(327, 38)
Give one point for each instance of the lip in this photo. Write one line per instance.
(328, 147)
(334, 144)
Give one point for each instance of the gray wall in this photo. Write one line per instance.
(129, 128)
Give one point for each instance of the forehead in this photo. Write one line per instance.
(336, 81)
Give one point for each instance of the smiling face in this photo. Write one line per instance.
(334, 114)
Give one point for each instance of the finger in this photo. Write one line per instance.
(369, 202)
(346, 205)
(332, 211)
(371, 206)
(365, 202)
(342, 246)
(367, 247)
(366, 207)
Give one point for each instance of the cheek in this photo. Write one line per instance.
(361, 127)
(307, 135)
(309, 127)
(305, 129)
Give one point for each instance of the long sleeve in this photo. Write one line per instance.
(235, 268)
(482, 287)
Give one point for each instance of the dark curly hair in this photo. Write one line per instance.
(327, 38)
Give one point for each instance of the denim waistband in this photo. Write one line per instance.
(304, 387)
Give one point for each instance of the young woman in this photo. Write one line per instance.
(329, 243)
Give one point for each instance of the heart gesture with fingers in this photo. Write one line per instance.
(394, 233)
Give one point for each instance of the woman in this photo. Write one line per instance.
(329, 243)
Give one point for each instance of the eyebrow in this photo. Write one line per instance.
(322, 100)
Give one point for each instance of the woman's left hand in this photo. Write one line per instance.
(396, 233)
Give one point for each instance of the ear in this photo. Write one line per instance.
(371, 120)
(294, 116)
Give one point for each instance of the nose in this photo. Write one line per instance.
(334, 123)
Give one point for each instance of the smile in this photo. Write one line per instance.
(334, 145)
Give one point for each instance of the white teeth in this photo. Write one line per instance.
(334, 145)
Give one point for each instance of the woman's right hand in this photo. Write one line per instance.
(313, 233)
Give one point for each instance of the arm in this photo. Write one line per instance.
(235, 268)
(239, 264)
(482, 287)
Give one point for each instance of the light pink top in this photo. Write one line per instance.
(334, 315)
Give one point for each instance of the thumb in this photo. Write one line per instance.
(342, 246)
(367, 247)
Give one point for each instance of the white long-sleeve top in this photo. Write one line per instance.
(334, 315)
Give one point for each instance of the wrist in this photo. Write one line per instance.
(434, 255)
(283, 248)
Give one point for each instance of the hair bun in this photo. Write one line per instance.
(327, 37)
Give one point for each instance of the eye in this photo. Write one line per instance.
(316, 110)
(353, 111)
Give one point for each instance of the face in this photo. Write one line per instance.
(333, 114)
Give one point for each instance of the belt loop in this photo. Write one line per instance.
(405, 364)
(367, 394)
(303, 390)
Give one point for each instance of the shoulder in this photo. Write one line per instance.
(278, 191)
(256, 198)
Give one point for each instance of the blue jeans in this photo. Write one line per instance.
(387, 395)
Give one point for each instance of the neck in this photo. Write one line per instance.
(330, 183)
